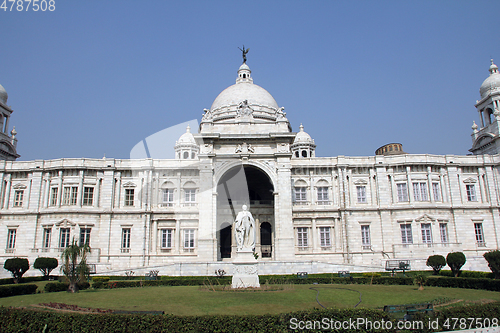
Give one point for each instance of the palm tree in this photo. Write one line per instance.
(73, 270)
(420, 280)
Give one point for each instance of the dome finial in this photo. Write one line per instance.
(493, 68)
(188, 129)
(301, 127)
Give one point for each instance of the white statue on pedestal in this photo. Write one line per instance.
(244, 226)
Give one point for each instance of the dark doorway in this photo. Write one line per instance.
(225, 241)
(243, 185)
(266, 240)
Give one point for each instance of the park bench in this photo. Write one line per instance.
(406, 311)
(344, 274)
(152, 275)
(397, 265)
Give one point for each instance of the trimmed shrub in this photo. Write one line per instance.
(19, 289)
(17, 267)
(469, 283)
(436, 262)
(45, 265)
(60, 286)
(455, 260)
(493, 259)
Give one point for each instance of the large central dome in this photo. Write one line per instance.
(244, 89)
(246, 105)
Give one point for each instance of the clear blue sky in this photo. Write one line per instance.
(96, 77)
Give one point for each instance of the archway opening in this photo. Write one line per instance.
(243, 185)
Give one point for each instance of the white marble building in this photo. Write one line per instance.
(314, 214)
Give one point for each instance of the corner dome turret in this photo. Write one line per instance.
(186, 147)
(303, 145)
(492, 82)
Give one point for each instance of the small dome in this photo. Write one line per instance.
(244, 66)
(492, 82)
(302, 137)
(3, 95)
(187, 137)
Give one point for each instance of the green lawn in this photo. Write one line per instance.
(193, 300)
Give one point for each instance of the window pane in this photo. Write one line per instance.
(88, 196)
(443, 230)
(406, 235)
(426, 233)
(361, 192)
(324, 235)
(365, 236)
(402, 192)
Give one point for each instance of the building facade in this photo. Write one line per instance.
(315, 214)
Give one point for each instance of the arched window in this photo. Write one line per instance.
(193, 155)
(186, 155)
(304, 153)
(297, 153)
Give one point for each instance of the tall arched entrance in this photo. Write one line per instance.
(245, 185)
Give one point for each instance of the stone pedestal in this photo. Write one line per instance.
(245, 274)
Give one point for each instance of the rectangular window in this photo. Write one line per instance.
(189, 238)
(324, 237)
(129, 197)
(471, 192)
(47, 232)
(322, 195)
(190, 195)
(88, 196)
(18, 198)
(69, 195)
(11, 239)
(426, 233)
(125, 239)
(302, 237)
(300, 194)
(168, 196)
(443, 231)
(53, 196)
(436, 191)
(361, 193)
(84, 236)
(166, 238)
(64, 238)
(420, 192)
(402, 192)
(478, 228)
(406, 236)
(365, 237)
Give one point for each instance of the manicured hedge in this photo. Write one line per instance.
(23, 280)
(22, 320)
(458, 282)
(469, 274)
(18, 289)
(60, 286)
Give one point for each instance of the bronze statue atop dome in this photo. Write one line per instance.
(244, 53)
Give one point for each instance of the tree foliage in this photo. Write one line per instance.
(493, 259)
(45, 265)
(420, 281)
(436, 262)
(75, 267)
(17, 266)
(455, 260)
